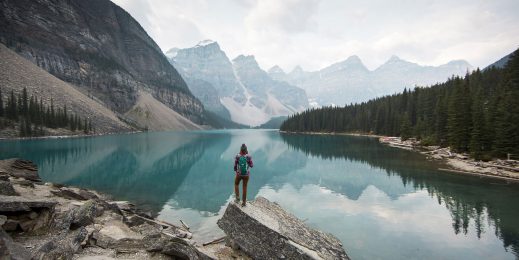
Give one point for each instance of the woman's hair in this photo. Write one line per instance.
(243, 149)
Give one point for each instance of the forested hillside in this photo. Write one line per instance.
(478, 113)
(31, 117)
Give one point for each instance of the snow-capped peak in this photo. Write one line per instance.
(276, 69)
(204, 43)
(394, 58)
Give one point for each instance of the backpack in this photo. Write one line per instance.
(242, 163)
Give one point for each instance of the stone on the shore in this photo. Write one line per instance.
(10, 225)
(63, 246)
(68, 194)
(6, 188)
(20, 168)
(10, 249)
(4, 176)
(263, 230)
(117, 235)
(17, 204)
(180, 248)
(87, 195)
(85, 214)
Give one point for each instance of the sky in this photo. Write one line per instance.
(317, 33)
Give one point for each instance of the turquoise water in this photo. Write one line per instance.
(382, 202)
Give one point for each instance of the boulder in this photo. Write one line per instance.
(263, 230)
(87, 195)
(74, 218)
(181, 249)
(17, 204)
(10, 225)
(24, 182)
(63, 246)
(115, 234)
(85, 214)
(6, 188)
(68, 194)
(10, 249)
(20, 168)
(4, 176)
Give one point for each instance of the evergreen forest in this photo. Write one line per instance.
(476, 114)
(30, 116)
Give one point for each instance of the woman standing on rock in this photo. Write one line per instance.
(242, 164)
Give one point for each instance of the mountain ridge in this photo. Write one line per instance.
(349, 81)
(99, 48)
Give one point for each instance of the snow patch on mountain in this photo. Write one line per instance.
(246, 114)
(204, 43)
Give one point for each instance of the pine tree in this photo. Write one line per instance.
(85, 126)
(477, 141)
(507, 121)
(22, 128)
(12, 113)
(459, 117)
(28, 128)
(1, 103)
(25, 103)
(405, 129)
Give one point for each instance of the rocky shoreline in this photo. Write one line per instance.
(458, 162)
(455, 162)
(50, 221)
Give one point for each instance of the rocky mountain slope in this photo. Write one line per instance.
(501, 63)
(239, 90)
(349, 81)
(98, 47)
(17, 73)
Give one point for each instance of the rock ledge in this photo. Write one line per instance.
(264, 230)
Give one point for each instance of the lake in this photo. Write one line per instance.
(381, 202)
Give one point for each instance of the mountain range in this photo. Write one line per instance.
(239, 89)
(96, 50)
(349, 81)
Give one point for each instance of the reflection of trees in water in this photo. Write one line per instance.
(142, 169)
(150, 187)
(468, 199)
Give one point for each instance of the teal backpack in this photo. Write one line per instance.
(242, 162)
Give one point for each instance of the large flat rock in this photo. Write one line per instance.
(264, 230)
(17, 203)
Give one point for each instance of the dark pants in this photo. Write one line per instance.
(237, 180)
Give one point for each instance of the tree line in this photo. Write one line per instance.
(30, 115)
(477, 113)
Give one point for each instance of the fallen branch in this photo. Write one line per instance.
(184, 224)
(162, 223)
(502, 167)
(216, 241)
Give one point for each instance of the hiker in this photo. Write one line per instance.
(242, 163)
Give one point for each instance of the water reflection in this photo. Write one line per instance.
(468, 199)
(380, 201)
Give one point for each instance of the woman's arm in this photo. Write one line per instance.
(249, 161)
(236, 163)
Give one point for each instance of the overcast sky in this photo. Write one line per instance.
(317, 33)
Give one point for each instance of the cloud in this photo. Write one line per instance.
(314, 33)
(289, 16)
